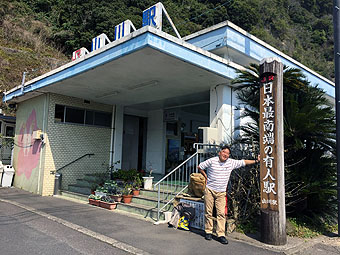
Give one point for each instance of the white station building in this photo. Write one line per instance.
(139, 101)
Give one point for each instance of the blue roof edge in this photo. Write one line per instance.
(147, 37)
(219, 36)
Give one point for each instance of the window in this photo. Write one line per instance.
(59, 113)
(102, 119)
(67, 114)
(89, 117)
(9, 131)
(74, 115)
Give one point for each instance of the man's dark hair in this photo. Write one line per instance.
(223, 147)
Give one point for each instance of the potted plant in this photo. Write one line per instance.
(118, 175)
(94, 200)
(127, 193)
(101, 191)
(136, 185)
(148, 181)
(107, 202)
(93, 188)
(117, 194)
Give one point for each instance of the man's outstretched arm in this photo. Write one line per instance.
(252, 161)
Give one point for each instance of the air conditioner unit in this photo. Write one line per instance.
(210, 135)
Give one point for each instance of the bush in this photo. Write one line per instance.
(126, 175)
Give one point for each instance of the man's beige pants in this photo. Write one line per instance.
(218, 198)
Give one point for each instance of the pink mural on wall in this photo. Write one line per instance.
(29, 148)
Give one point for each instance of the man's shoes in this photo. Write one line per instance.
(208, 237)
(222, 240)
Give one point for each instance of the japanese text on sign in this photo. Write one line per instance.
(268, 139)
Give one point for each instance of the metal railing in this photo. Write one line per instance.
(177, 180)
(87, 154)
(60, 179)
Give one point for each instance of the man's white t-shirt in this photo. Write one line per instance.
(218, 172)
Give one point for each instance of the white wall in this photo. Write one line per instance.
(237, 113)
(221, 112)
(225, 112)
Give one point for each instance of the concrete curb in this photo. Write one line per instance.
(294, 245)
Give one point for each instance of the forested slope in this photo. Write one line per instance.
(44, 30)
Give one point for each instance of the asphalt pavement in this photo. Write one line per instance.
(25, 232)
(34, 223)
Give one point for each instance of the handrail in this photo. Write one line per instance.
(206, 144)
(185, 179)
(180, 174)
(159, 187)
(184, 162)
(87, 154)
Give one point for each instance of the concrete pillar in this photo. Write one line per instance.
(118, 136)
(155, 145)
(221, 112)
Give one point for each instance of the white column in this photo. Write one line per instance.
(237, 114)
(221, 112)
(118, 136)
(155, 145)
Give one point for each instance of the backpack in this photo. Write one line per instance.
(197, 184)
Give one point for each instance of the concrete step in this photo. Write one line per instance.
(94, 178)
(74, 195)
(154, 193)
(145, 204)
(79, 189)
(85, 183)
(151, 201)
(144, 210)
(171, 187)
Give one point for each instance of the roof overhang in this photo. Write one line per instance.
(146, 66)
(233, 43)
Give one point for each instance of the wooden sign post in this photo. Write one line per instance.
(273, 212)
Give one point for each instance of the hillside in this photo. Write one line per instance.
(23, 46)
(39, 35)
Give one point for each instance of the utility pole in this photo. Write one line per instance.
(336, 25)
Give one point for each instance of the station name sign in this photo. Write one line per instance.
(268, 143)
(152, 16)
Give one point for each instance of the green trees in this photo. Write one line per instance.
(309, 137)
(300, 28)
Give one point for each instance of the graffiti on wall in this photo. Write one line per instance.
(29, 148)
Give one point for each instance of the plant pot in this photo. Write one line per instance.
(117, 198)
(94, 202)
(148, 182)
(127, 199)
(106, 205)
(135, 192)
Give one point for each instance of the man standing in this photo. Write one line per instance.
(217, 172)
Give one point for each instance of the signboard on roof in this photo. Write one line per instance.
(153, 16)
